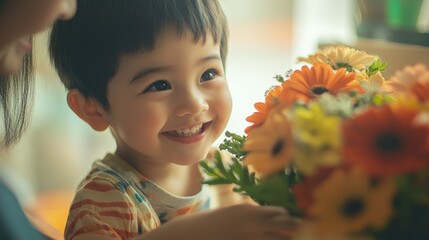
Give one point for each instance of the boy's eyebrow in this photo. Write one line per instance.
(148, 71)
(210, 57)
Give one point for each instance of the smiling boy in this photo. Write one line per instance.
(152, 71)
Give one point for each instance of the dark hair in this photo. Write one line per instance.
(85, 50)
(16, 95)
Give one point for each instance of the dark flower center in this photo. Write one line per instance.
(277, 148)
(319, 90)
(353, 207)
(388, 142)
(344, 65)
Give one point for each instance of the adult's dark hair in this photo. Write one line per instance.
(85, 50)
(16, 95)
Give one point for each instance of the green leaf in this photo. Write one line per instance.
(279, 78)
(375, 67)
(216, 181)
(271, 191)
(233, 144)
(219, 162)
(276, 191)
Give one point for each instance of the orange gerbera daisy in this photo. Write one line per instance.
(269, 147)
(348, 202)
(309, 83)
(387, 140)
(263, 108)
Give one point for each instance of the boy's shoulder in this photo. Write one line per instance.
(103, 178)
(110, 179)
(104, 192)
(104, 187)
(108, 171)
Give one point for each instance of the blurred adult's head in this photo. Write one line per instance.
(19, 21)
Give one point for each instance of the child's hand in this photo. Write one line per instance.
(250, 222)
(237, 222)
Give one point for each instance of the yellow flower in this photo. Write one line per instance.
(308, 160)
(342, 56)
(317, 138)
(314, 127)
(269, 147)
(349, 202)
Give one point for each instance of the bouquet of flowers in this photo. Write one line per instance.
(338, 146)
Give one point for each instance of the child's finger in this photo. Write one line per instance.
(272, 211)
(283, 224)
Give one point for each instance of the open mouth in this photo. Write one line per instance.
(190, 134)
(187, 132)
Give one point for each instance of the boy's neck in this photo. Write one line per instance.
(176, 179)
(179, 180)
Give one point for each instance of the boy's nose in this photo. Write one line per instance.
(191, 103)
(67, 10)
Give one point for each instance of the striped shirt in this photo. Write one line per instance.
(115, 201)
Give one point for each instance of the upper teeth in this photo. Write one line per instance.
(187, 132)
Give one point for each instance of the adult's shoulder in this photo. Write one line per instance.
(13, 222)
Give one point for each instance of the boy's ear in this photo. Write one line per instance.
(88, 110)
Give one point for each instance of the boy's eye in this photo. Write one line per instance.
(160, 85)
(208, 75)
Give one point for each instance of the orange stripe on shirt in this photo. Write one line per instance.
(100, 187)
(183, 211)
(117, 233)
(99, 204)
(71, 223)
(116, 214)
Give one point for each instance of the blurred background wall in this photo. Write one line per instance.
(266, 37)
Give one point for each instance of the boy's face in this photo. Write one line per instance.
(169, 105)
